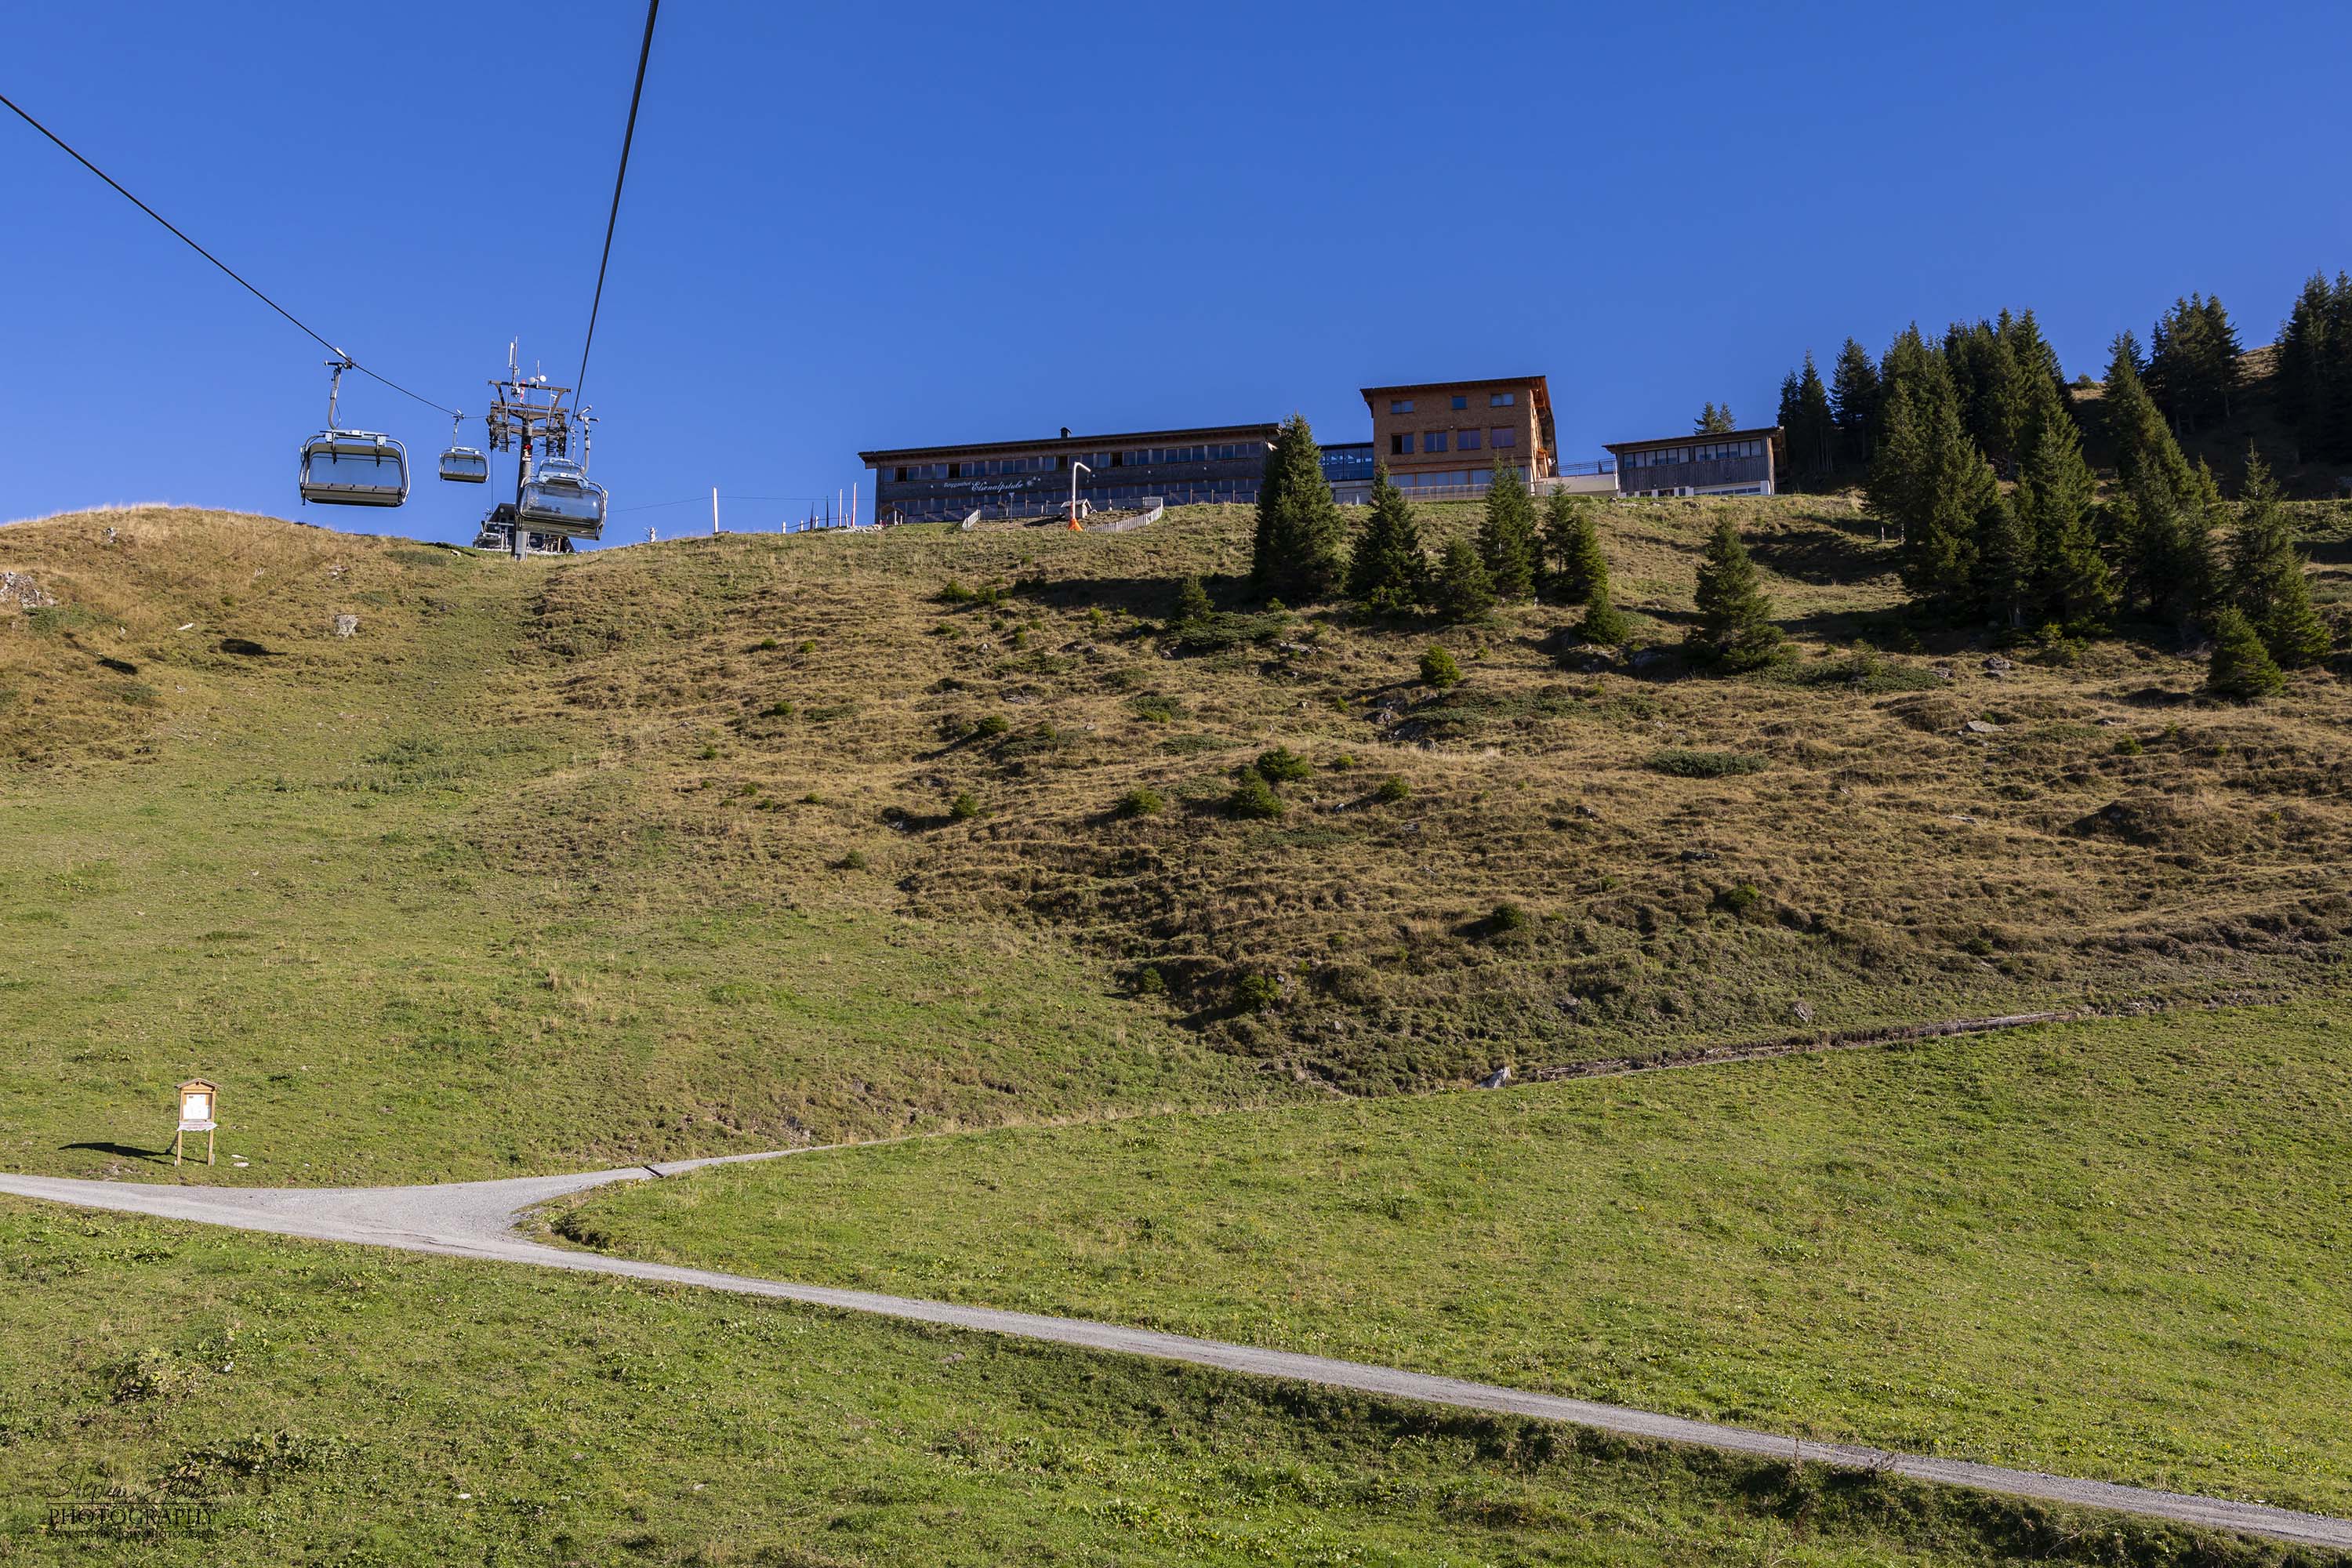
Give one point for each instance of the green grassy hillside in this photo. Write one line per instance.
(335, 1405)
(2100, 1249)
(659, 850)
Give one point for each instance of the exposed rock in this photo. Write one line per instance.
(346, 624)
(18, 589)
(1497, 1078)
(1803, 1010)
(1979, 727)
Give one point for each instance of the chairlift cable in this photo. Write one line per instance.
(613, 218)
(215, 260)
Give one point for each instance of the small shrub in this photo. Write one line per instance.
(1141, 801)
(954, 593)
(990, 727)
(1686, 763)
(1507, 918)
(808, 645)
(2129, 746)
(1253, 797)
(1344, 762)
(1256, 993)
(1150, 981)
(811, 798)
(964, 807)
(769, 645)
(854, 861)
(1392, 790)
(1605, 625)
(1283, 766)
(1740, 899)
(709, 753)
(778, 710)
(1438, 669)
(1155, 709)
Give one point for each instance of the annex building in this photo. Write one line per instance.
(1032, 478)
(1734, 463)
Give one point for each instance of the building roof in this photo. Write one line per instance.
(1694, 438)
(1535, 381)
(1075, 443)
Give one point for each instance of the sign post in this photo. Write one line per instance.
(197, 1100)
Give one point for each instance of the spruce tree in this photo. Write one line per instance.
(1734, 629)
(1572, 542)
(1604, 624)
(1855, 404)
(1388, 572)
(2008, 557)
(2242, 668)
(1507, 536)
(1811, 427)
(1296, 554)
(1192, 602)
(2266, 576)
(2057, 497)
(1463, 591)
(2145, 451)
(1715, 421)
(1948, 494)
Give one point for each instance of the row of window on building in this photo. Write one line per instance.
(1400, 444)
(1701, 452)
(1477, 479)
(1494, 399)
(1141, 456)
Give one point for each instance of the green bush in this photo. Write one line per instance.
(1686, 763)
(954, 593)
(1154, 708)
(1141, 801)
(1283, 766)
(854, 861)
(1740, 900)
(1438, 669)
(1508, 917)
(964, 807)
(993, 725)
(769, 645)
(1253, 797)
(1256, 993)
(1392, 789)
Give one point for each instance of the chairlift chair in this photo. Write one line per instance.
(462, 465)
(559, 497)
(352, 467)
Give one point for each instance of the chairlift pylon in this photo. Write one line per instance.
(352, 467)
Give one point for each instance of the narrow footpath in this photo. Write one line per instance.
(476, 1219)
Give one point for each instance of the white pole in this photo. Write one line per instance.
(714, 511)
(853, 503)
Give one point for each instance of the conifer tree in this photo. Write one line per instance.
(1296, 554)
(2008, 556)
(2266, 576)
(1604, 623)
(1855, 405)
(2314, 368)
(1463, 591)
(1898, 471)
(1811, 429)
(1572, 542)
(1192, 602)
(2242, 668)
(1507, 536)
(2056, 497)
(2146, 454)
(1948, 496)
(1715, 421)
(1388, 572)
(1734, 629)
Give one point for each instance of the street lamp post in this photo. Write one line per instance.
(1076, 469)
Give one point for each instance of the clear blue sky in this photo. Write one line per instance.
(850, 227)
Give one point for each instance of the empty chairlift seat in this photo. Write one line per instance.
(559, 497)
(464, 466)
(354, 467)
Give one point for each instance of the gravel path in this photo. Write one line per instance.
(475, 1219)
